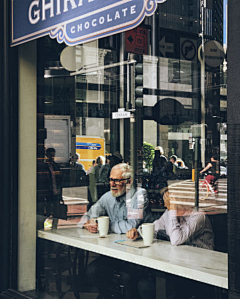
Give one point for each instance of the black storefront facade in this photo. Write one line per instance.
(19, 132)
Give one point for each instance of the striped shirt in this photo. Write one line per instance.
(193, 229)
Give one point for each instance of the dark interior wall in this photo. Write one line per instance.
(233, 111)
(8, 153)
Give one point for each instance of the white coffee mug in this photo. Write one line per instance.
(146, 231)
(103, 225)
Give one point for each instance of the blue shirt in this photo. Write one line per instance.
(125, 212)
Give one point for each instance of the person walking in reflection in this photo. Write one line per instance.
(79, 165)
(93, 164)
(105, 172)
(159, 161)
(93, 179)
(158, 174)
(179, 225)
(171, 167)
(212, 170)
(54, 190)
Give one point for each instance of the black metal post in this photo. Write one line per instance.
(8, 153)
(196, 159)
(233, 130)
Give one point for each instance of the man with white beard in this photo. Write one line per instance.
(127, 208)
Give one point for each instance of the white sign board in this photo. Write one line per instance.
(121, 114)
(214, 54)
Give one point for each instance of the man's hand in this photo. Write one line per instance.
(91, 225)
(184, 210)
(132, 234)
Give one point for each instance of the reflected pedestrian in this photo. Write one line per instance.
(91, 167)
(212, 170)
(158, 174)
(94, 179)
(78, 164)
(115, 159)
(159, 161)
(105, 171)
(53, 188)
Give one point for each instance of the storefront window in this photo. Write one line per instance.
(145, 105)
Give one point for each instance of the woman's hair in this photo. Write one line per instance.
(100, 160)
(127, 170)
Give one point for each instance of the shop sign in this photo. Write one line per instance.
(76, 21)
(121, 114)
(88, 145)
(136, 41)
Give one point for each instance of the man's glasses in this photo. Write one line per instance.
(117, 181)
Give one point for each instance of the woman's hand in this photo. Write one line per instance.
(132, 234)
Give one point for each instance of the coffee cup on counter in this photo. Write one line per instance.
(103, 225)
(146, 231)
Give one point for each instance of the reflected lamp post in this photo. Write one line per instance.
(201, 57)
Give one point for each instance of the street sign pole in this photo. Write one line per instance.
(133, 152)
(202, 60)
(196, 155)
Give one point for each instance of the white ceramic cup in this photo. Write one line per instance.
(103, 225)
(146, 231)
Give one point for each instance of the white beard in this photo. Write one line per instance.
(119, 193)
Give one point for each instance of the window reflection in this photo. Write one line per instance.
(75, 106)
(177, 131)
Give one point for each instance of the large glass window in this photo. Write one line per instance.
(156, 106)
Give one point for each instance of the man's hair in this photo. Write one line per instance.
(174, 158)
(50, 150)
(125, 168)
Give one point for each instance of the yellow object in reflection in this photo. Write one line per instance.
(89, 149)
(47, 224)
(193, 175)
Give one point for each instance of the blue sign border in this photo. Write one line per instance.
(79, 25)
